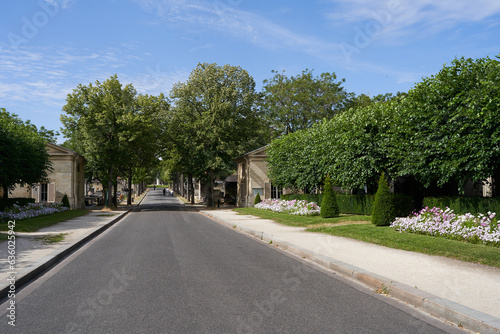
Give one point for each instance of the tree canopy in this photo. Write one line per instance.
(23, 155)
(445, 129)
(297, 102)
(113, 127)
(213, 120)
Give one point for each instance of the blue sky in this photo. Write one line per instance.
(48, 47)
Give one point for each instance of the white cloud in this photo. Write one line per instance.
(45, 75)
(226, 17)
(399, 18)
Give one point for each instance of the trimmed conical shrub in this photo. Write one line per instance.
(65, 201)
(329, 205)
(257, 199)
(384, 212)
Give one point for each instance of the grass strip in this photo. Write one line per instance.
(345, 226)
(425, 244)
(50, 239)
(34, 224)
(302, 221)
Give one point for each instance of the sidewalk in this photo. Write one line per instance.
(461, 293)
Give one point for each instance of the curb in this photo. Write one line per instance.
(449, 311)
(27, 274)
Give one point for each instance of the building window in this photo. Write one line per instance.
(276, 192)
(260, 191)
(44, 192)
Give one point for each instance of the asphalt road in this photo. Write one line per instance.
(165, 269)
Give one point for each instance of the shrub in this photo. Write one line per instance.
(383, 213)
(14, 201)
(65, 201)
(329, 205)
(257, 199)
(463, 205)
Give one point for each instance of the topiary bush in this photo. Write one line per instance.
(257, 199)
(65, 201)
(329, 205)
(384, 211)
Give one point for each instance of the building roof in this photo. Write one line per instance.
(254, 152)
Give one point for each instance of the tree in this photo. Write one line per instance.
(141, 138)
(23, 156)
(447, 129)
(96, 121)
(384, 212)
(213, 120)
(294, 160)
(257, 199)
(329, 205)
(297, 102)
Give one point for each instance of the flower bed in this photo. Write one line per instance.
(31, 210)
(471, 228)
(293, 207)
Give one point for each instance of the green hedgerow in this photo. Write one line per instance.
(329, 205)
(384, 212)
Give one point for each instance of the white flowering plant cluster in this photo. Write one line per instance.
(31, 210)
(293, 207)
(480, 228)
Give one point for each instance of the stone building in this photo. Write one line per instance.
(66, 178)
(252, 178)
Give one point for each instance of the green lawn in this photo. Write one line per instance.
(304, 221)
(34, 224)
(387, 236)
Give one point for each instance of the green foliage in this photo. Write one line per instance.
(114, 128)
(213, 121)
(443, 131)
(24, 159)
(329, 205)
(297, 102)
(65, 201)
(293, 162)
(257, 199)
(384, 211)
(9, 202)
(463, 205)
(447, 128)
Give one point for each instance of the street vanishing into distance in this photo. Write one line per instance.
(165, 268)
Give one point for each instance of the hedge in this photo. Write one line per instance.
(17, 201)
(356, 204)
(463, 205)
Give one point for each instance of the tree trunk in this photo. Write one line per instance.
(115, 191)
(109, 202)
(129, 187)
(191, 188)
(210, 191)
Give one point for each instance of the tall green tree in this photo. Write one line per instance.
(141, 138)
(297, 102)
(214, 120)
(447, 129)
(96, 120)
(23, 155)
